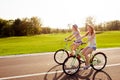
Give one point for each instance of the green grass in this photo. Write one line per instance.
(50, 43)
(108, 39)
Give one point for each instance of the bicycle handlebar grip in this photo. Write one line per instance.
(67, 39)
(83, 43)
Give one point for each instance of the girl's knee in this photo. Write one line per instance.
(85, 54)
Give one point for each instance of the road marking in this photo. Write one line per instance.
(38, 54)
(45, 73)
(25, 55)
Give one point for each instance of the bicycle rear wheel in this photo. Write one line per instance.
(60, 55)
(98, 61)
(71, 65)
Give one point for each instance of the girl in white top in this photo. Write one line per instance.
(75, 34)
(91, 44)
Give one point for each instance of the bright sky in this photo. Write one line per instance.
(60, 13)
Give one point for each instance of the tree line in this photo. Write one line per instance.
(25, 27)
(34, 26)
(106, 26)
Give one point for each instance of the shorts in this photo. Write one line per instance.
(94, 48)
(77, 42)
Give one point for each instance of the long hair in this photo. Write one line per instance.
(92, 29)
(76, 27)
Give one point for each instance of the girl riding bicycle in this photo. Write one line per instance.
(77, 42)
(91, 44)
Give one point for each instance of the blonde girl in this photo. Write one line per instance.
(91, 44)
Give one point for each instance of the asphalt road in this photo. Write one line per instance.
(42, 67)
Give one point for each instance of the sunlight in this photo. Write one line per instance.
(60, 13)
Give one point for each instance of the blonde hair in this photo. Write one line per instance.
(92, 29)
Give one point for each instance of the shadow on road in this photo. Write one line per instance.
(101, 75)
(55, 73)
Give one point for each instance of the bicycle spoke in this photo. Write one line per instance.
(71, 65)
(98, 61)
(60, 56)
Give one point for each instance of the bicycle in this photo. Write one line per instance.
(61, 54)
(72, 64)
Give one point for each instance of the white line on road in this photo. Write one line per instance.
(38, 54)
(24, 55)
(44, 73)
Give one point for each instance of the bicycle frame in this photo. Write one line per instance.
(66, 46)
(72, 64)
(82, 57)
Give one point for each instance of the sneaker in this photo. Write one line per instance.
(86, 67)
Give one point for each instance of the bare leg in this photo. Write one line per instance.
(73, 48)
(88, 51)
(84, 50)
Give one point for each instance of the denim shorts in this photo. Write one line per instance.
(77, 42)
(94, 48)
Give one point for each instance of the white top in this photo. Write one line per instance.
(92, 42)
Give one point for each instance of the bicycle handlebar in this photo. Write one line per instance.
(66, 40)
(83, 43)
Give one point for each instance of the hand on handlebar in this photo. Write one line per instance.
(66, 39)
(83, 43)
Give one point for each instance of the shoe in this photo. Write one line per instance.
(86, 67)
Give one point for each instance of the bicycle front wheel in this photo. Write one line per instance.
(98, 61)
(60, 55)
(71, 65)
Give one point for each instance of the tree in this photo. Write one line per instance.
(46, 30)
(17, 27)
(27, 26)
(90, 20)
(36, 25)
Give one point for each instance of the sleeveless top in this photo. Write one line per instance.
(91, 43)
(78, 37)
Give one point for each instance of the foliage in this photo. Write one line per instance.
(106, 26)
(33, 26)
(46, 30)
(26, 27)
(20, 27)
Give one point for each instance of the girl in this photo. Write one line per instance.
(76, 35)
(91, 44)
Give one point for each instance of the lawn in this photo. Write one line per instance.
(50, 43)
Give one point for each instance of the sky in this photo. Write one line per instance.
(60, 13)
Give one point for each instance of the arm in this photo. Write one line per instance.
(72, 36)
(69, 37)
(84, 35)
(75, 35)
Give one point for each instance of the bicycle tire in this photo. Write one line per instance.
(60, 55)
(103, 59)
(70, 69)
